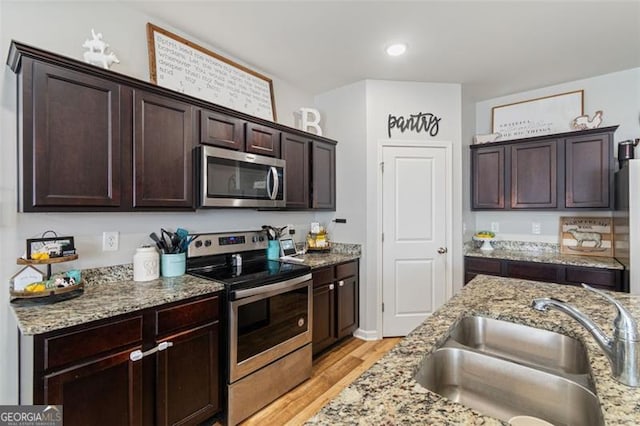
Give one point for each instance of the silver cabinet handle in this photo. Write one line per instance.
(331, 287)
(341, 283)
(137, 355)
(442, 250)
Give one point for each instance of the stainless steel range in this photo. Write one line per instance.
(269, 312)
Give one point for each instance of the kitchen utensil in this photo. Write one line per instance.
(159, 243)
(166, 237)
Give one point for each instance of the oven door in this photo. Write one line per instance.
(238, 179)
(267, 323)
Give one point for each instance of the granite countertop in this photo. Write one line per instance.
(546, 257)
(111, 291)
(115, 294)
(387, 393)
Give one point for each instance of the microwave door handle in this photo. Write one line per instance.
(272, 188)
(276, 183)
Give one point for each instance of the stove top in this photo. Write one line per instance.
(251, 274)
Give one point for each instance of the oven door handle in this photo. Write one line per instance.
(270, 289)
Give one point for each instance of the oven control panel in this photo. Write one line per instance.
(228, 242)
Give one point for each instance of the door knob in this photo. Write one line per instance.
(442, 250)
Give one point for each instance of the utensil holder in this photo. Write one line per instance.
(273, 250)
(173, 265)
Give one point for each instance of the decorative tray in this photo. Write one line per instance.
(49, 295)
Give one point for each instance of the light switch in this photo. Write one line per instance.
(535, 228)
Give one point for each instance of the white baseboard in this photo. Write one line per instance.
(366, 334)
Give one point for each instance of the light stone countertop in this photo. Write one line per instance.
(546, 257)
(109, 299)
(387, 394)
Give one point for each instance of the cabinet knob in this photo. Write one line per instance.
(442, 250)
(341, 283)
(331, 287)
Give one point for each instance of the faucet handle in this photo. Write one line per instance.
(625, 325)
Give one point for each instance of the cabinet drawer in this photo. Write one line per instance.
(591, 276)
(72, 347)
(187, 315)
(488, 266)
(533, 271)
(323, 276)
(346, 270)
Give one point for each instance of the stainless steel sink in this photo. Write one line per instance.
(522, 344)
(503, 389)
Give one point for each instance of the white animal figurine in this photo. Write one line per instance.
(583, 123)
(96, 44)
(581, 237)
(100, 59)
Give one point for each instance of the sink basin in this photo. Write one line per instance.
(522, 344)
(504, 389)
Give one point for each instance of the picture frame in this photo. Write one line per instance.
(586, 236)
(184, 66)
(53, 246)
(537, 117)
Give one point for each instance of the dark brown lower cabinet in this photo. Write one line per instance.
(92, 370)
(335, 304)
(607, 279)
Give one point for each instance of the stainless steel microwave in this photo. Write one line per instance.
(239, 179)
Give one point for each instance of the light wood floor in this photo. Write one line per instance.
(332, 372)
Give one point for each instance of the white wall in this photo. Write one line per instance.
(617, 94)
(358, 116)
(61, 27)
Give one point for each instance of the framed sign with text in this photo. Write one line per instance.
(586, 236)
(537, 117)
(181, 65)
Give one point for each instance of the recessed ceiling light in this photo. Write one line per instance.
(396, 49)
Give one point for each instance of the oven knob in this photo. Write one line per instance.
(207, 243)
(261, 238)
(254, 239)
(198, 244)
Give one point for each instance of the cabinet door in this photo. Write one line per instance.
(262, 140)
(487, 175)
(188, 377)
(221, 130)
(534, 175)
(71, 140)
(588, 171)
(323, 181)
(324, 334)
(295, 151)
(347, 306)
(163, 157)
(107, 391)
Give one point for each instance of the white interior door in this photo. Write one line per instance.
(416, 184)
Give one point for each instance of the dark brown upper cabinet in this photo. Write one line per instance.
(589, 161)
(262, 140)
(487, 167)
(221, 130)
(95, 140)
(71, 145)
(295, 151)
(323, 181)
(534, 175)
(565, 171)
(163, 152)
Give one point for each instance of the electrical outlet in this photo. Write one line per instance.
(495, 226)
(110, 241)
(291, 229)
(535, 228)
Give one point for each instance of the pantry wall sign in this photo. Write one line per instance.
(181, 65)
(537, 117)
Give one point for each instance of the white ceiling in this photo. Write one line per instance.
(492, 48)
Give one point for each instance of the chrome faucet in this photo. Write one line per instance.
(622, 349)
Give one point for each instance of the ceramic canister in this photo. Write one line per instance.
(146, 264)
